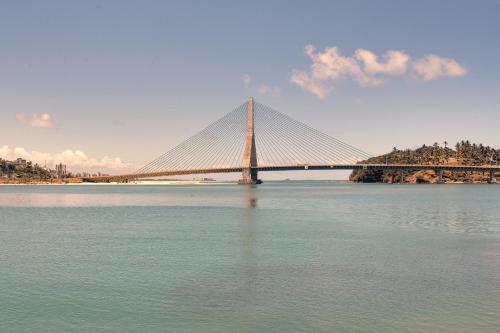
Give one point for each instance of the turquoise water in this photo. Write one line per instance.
(281, 257)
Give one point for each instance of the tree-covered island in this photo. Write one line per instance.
(463, 153)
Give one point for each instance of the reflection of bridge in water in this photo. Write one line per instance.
(254, 138)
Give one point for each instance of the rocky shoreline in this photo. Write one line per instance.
(421, 177)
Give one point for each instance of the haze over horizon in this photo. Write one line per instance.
(110, 85)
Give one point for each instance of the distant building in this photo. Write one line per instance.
(21, 162)
(60, 170)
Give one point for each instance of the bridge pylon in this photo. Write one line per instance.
(249, 164)
(492, 179)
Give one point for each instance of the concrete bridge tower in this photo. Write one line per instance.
(250, 153)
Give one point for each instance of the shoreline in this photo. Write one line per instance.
(200, 182)
(112, 183)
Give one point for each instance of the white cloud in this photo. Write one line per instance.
(262, 89)
(396, 62)
(4, 152)
(332, 65)
(316, 87)
(432, 67)
(367, 69)
(247, 80)
(43, 120)
(75, 160)
(267, 90)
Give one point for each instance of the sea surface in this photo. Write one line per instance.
(279, 257)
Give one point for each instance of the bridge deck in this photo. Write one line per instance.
(368, 167)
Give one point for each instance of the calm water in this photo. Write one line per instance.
(282, 257)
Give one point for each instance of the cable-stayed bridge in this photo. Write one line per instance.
(254, 138)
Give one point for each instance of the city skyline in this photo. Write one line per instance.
(111, 85)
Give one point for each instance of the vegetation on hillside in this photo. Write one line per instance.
(463, 153)
(13, 170)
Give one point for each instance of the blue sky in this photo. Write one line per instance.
(92, 81)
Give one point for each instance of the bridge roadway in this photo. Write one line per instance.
(369, 167)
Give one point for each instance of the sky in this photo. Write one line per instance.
(111, 85)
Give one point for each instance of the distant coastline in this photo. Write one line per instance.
(56, 182)
(22, 172)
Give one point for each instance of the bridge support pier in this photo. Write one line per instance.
(249, 177)
(439, 174)
(402, 177)
(492, 179)
(250, 154)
